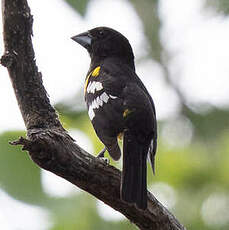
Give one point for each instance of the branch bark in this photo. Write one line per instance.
(48, 144)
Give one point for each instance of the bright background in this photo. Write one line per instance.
(182, 52)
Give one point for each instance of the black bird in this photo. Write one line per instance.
(119, 105)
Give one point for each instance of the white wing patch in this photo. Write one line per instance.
(113, 97)
(98, 86)
(94, 86)
(104, 97)
(91, 113)
(98, 102)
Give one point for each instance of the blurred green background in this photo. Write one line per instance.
(192, 176)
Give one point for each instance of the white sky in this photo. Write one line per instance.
(198, 41)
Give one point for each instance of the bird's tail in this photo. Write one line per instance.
(134, 186)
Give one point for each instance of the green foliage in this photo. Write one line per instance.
(222, 6)
(18, 175)
(147, 11)
(79, 5)
(82, 213)
(210, 123)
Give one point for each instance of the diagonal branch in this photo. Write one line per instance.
(48, 144)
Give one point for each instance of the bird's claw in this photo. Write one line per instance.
(101, 156)
(106, 160)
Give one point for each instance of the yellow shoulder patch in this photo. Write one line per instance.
(95, 72)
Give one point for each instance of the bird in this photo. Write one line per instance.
(119, 105)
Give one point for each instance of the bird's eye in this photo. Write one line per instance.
(101, 33)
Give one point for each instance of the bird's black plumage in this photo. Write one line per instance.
(118, 102)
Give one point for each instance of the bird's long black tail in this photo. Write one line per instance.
(134, 186)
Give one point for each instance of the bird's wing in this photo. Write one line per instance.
(126, 85)
(137, 97)
(153, 145)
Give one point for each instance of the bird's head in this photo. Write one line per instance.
(103, 42)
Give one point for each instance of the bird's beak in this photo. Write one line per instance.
(83, 39)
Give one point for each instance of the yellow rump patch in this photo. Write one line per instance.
(126, 112)
(95, 72)
(120, 136)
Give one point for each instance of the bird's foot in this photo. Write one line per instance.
(101, 156)
(105, 160)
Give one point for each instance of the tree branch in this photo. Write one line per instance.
(48, 144)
